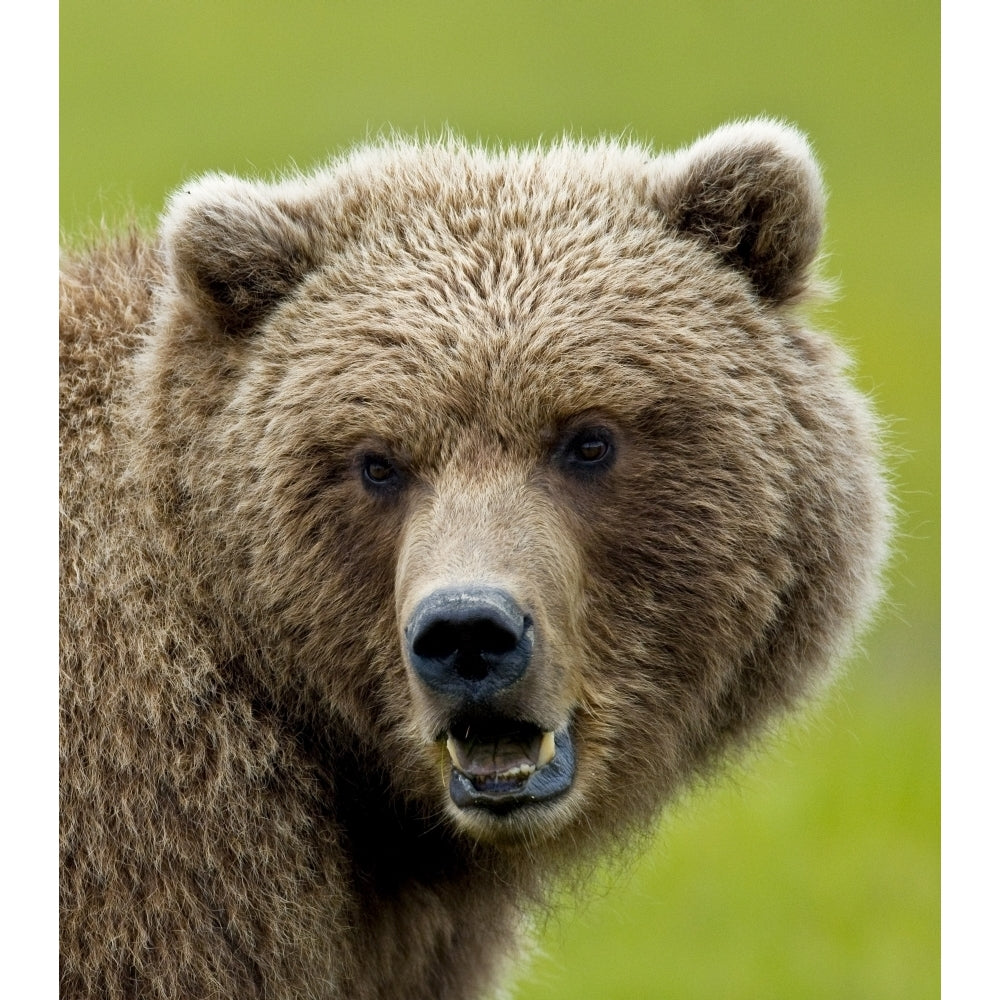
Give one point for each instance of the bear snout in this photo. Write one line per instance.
(469, 643)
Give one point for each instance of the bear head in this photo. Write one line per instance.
(517, 469)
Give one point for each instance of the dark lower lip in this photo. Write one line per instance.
(546, 784)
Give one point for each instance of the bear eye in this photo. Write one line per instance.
(379, 473)
(589, 450)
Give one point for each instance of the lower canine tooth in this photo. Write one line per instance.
(547, 750)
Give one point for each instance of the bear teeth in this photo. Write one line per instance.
(514, 773)
(547, 750)
(545, 754)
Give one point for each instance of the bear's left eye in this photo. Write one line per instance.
(378, 473)
(589, 450)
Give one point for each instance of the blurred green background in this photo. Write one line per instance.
(812, 872)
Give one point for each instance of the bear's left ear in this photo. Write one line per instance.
(236, 248)
(752, 193)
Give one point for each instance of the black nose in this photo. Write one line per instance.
(470, 642)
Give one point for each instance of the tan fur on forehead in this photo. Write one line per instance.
(456, 220)
(315, 402)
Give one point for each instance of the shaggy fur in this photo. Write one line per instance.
(310, 404)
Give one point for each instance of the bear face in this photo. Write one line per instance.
(519, 466)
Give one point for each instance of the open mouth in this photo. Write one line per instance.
(503, 765)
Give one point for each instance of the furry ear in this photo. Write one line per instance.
(752, 192)
(236, 248)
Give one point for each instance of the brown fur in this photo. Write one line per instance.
(253, 795)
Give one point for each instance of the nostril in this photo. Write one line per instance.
(479, 637)
(469, 642)
(493, 638)
(438, 641)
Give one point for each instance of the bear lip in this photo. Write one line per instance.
(504, 765)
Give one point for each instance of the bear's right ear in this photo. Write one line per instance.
(236, 248)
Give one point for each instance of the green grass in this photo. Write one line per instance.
(812, 872)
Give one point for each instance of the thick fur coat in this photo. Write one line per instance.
(426, 523)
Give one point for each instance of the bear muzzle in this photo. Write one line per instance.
(470, 647)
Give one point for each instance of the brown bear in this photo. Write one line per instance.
(426, 523)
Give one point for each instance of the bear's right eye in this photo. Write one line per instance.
(379, 474)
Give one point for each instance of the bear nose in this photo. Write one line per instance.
(470, 642)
